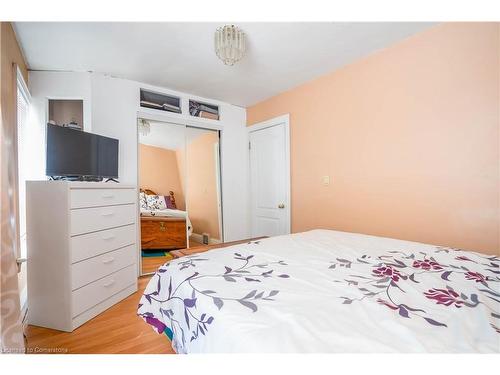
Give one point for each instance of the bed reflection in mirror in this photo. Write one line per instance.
(179, 198)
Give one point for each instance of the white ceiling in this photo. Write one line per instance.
(169, 136)
(181, 56)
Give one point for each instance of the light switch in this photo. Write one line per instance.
(326, 180)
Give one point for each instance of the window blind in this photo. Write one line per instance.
(30, 152)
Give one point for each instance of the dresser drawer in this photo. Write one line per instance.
(88, 245)
(82, 198)
(85, 220)
(89, 270)
(92, 294)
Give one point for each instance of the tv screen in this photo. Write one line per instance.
(75, 153)
(107, 160)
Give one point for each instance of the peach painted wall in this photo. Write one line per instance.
(159, 172)
(409, 136)
(201, 187)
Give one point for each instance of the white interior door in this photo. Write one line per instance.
(269, 180)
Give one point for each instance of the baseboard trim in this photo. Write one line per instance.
(199, 238)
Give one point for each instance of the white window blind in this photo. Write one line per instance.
(31, 152)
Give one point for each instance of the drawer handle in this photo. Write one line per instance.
(107, 238)
(108, 213)
(108, 284)
(109, 260)
(108, 195)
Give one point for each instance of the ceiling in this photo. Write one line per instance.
(170, 136)
(181, 56)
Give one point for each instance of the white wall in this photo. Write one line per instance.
(114, 114)
(112, 105)
(60, 85)
(235, 175)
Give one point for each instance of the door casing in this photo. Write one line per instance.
(283, 120)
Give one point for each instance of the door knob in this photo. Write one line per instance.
(281, 205)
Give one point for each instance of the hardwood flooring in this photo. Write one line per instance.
(194, 243)
(151, 264)
(117, 330)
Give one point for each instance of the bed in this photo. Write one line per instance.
(161, 227)
(327, 291)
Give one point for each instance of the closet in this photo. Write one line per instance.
(180, 195)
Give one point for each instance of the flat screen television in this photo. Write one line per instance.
(77, 154)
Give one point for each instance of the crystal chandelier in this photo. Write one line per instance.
(229, 44)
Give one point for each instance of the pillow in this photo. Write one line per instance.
(156, 202)
(170, 202)
(143, 201)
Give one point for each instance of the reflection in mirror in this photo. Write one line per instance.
(202, 186)
(165, 225)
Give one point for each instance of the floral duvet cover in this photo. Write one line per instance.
(327, 291)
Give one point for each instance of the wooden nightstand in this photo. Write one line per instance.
(201, 249)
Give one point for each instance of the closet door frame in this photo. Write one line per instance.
(187, 123)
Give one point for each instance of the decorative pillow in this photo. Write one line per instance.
(170, 202)
(143, 201)
(156, 202)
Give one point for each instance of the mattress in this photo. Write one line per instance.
(327, 291)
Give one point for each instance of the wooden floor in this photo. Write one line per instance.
(193, 243)
(151, 264)
(117, 330)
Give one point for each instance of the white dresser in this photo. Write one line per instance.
(82, 250)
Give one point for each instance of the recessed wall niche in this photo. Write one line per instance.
(204, 110)
(66, 112)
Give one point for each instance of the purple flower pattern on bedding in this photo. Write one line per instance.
(248, 270)
(402, 271)
(191, 298)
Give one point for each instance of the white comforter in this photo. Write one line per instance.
(327, 291)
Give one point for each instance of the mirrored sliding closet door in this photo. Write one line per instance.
(164, 222)
(180, 197)
(203, 193)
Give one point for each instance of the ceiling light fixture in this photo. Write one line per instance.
(229, 44)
